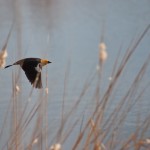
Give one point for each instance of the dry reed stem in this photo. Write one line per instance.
(92, 133)
(112, 84)
(66, 79)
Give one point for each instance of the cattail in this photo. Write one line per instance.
(102, 53)
(3, 55)
(144, 142)
(46, 90)
(35, 141)
(147, 141)
(17, 88)
(110, 78)
(56, 147)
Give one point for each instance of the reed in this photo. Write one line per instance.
(29, 126)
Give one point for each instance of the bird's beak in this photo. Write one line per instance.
(49, 62)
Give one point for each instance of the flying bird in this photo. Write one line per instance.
(32, 68)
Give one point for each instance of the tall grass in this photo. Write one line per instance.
(30, 128)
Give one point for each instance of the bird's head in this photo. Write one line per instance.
(44, 62)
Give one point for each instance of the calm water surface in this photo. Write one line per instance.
(69, 31)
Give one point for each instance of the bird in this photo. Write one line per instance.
(32, 68)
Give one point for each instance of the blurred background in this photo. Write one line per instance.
(68, 32)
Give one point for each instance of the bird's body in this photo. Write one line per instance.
(32, 68)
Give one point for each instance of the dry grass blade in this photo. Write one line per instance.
(32, 128)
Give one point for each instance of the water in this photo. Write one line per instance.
(70, 31)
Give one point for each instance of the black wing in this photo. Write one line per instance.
(33, 76)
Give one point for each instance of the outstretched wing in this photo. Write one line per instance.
(32, 74)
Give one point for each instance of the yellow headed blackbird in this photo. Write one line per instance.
(32, 68)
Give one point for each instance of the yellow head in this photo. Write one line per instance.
(44, 62)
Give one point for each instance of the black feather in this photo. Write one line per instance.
(33, 76)
(8, 66)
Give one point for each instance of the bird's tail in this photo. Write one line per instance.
(20, 62)
(8, 66)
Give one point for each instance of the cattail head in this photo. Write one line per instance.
(56, 147)
(17, 89)
(147, 141)
(46, 90)
(3, 55)
(102, 53)
(35, 141)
